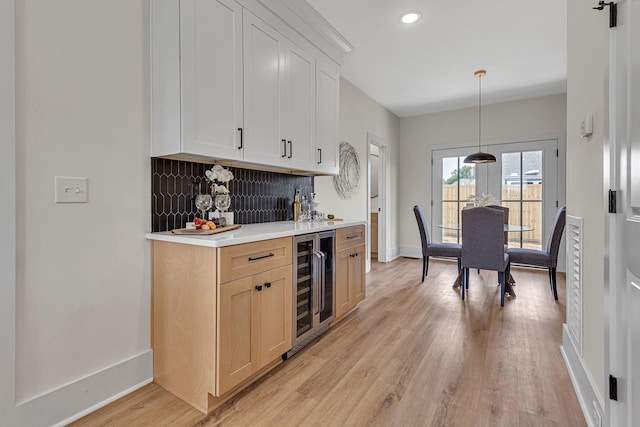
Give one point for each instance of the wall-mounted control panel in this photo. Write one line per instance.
(586, 127)
(70, 189)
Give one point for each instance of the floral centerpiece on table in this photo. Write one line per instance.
(219, 178)
(485, 200)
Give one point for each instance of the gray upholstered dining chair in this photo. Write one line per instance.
(448, 250)
(505, 211)
(548, 258)
(483, 245)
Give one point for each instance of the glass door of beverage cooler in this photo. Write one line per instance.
(328, 276)
(304, 286)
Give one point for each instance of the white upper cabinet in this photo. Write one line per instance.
(299, 121)
(230, 84)
(197, 78)
(263, 82)
(327, 114)
(278, 99)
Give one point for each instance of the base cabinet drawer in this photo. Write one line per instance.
(349, 237)
(235, 262)
(254, 325)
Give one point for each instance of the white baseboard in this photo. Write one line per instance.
(588, 396)
(83, 396)
(410, 251)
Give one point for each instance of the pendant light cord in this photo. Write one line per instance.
(479, 109)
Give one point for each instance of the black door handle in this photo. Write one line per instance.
(258, 288)
(320, 152)
(284, 148)
(267, 284)
(290, 149)
(241, 142)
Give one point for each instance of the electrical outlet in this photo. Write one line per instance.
(71, 189)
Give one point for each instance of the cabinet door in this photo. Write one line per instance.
(211, 76)
(327, 113)
(263, 80)
(275, 314)
(299, 120)
(350, 279)
(357, 275)
(343, 295)
(238, 332)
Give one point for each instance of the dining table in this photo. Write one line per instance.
(508, 228)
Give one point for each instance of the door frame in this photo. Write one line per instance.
(618, 313)
(383, 255)
(7, 212)
(561, 172)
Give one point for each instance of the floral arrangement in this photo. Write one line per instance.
(218, 177)
(485, 200)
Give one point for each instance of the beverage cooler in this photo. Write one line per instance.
(313, 286)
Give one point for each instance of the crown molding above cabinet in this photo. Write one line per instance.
(253, 82)
(302, 17)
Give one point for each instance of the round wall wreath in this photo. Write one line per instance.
(347, 183)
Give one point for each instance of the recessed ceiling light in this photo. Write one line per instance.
(411, 17)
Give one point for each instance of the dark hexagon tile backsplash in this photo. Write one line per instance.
(256, 196)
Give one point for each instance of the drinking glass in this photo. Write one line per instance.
(222, 202)
(204, 203)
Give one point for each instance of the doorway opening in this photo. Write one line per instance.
(377, 200)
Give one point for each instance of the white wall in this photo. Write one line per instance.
(7, 213)
(359, 115)
(503, 122)
(83, 270)
(587, 43)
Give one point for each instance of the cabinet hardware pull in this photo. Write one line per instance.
(320, 153)
(261, 257)
(284, 148)
(353, 236)
(290, 149)
(267, 284)
(258, 288)
(241, 142)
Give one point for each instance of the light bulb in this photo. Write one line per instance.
(411, 17)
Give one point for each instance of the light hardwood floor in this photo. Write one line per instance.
(412, 354)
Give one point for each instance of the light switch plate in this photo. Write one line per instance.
(70, 189)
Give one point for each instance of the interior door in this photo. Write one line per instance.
(624, 226)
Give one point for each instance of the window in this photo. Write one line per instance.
(524, 179)
(521, 192)
(458, 184)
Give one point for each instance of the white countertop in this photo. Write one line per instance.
(253, 233)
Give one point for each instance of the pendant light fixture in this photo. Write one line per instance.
(480, 157)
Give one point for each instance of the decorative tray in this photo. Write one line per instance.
(201, 232)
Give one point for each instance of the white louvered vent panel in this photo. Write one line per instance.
(574, 280)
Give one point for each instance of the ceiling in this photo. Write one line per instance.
(428, 66)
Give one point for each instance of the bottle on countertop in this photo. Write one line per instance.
(296, 206)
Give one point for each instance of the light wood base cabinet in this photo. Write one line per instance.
(212, 338)
(254, 325)
(184, 321)
(350, 266)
